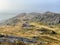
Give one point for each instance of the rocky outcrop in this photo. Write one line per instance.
(13, 39)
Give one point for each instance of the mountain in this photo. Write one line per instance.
(44, 28)
(49, 18)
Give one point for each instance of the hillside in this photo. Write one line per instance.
(44, 28)
(49, 18)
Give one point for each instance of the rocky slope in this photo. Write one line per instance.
(33, 28)
(47, 17)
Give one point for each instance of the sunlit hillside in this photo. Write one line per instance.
(41, 29)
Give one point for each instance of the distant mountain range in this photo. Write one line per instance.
(49, 18)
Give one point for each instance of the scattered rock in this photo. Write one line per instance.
(13, 39)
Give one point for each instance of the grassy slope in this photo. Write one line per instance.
(18, 30)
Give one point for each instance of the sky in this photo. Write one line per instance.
(18, 6)
(29, 5)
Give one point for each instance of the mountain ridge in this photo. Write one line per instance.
(49, 18)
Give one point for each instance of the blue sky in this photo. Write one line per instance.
(29, 5)
(18, 6)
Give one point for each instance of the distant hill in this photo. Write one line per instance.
(49, 18)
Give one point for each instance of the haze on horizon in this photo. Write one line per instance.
(17, 6)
